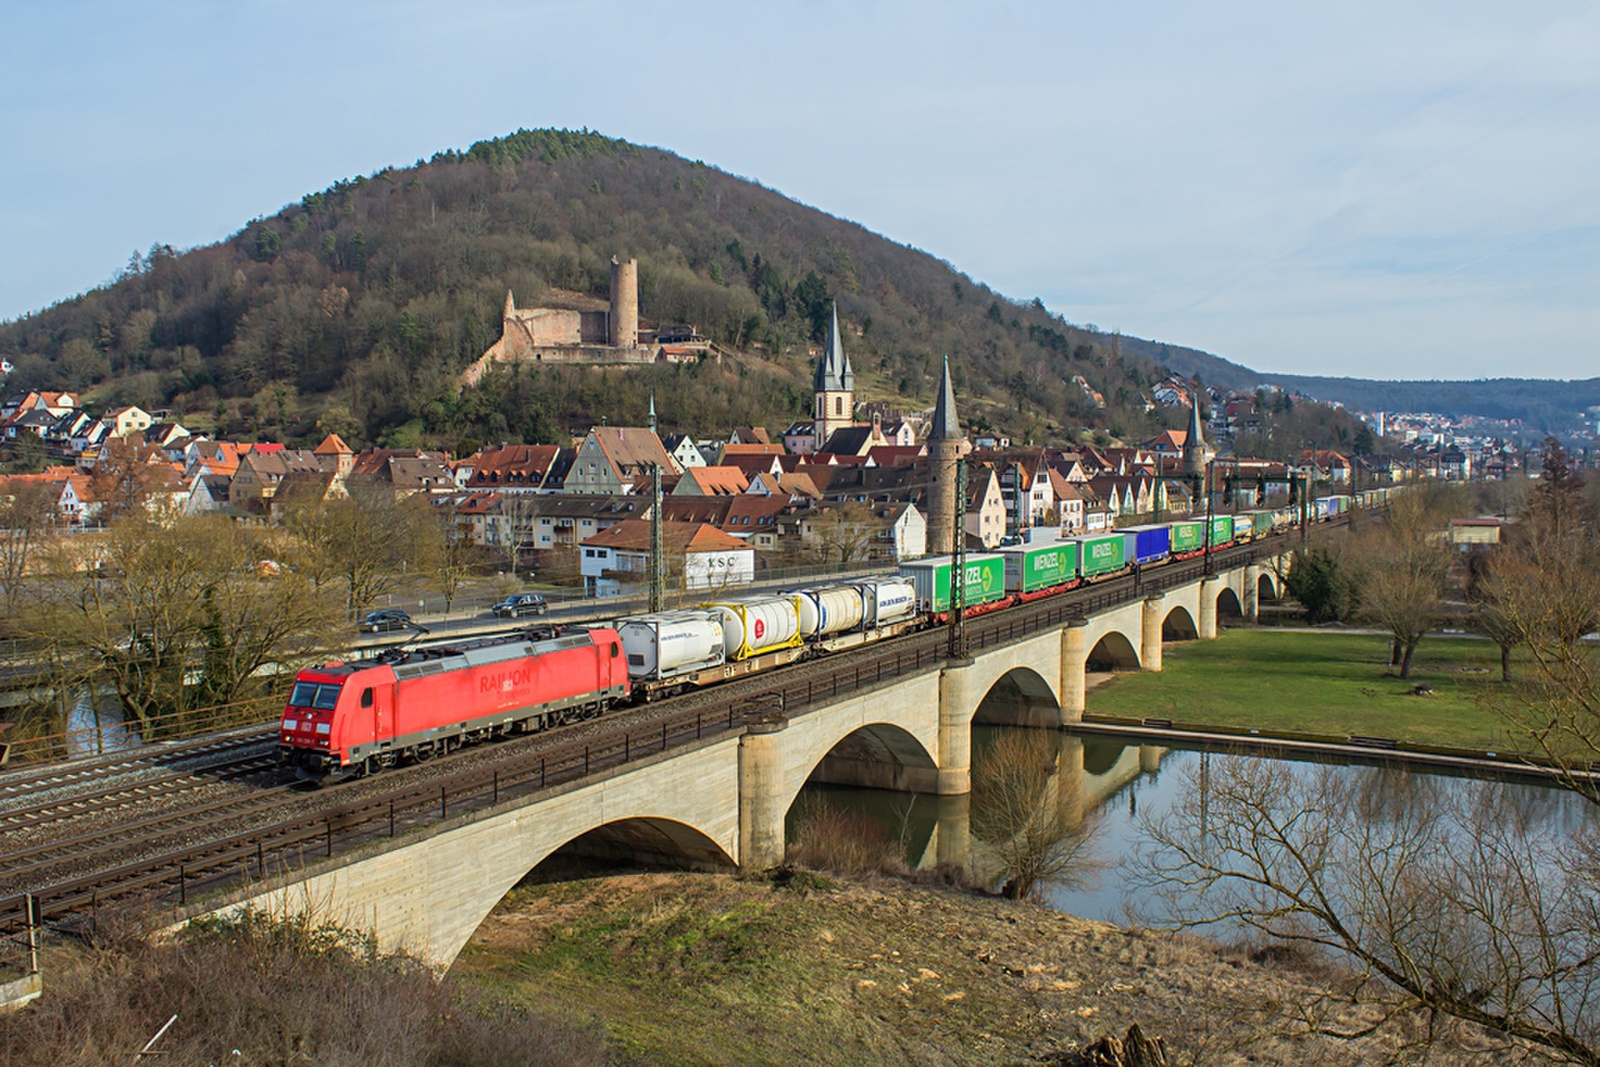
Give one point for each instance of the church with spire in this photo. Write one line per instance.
(833, 427)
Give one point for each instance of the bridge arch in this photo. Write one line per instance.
(1113, 652)
(1228, 604)
(872, 755)
(644, 840)
(1267, 586)
(1179, 625)
(1019, 697)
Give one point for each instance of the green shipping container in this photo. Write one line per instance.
(1033, 567)
(985, 580)
(1188, 536)
(1103, 553)
(1221, 530)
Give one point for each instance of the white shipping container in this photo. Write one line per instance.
(671, 642)
(757, 624)
(888, 600)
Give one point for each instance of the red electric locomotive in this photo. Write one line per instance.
(350, 718)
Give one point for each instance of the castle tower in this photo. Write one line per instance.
(624, 332)
(945, 443)
(1194, 446)
(834, 387)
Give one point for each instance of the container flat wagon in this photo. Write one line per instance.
(1188, 539)
(1147, 544)
(984, 581)
(1035, 568)
(674, 650)
(1100, 554)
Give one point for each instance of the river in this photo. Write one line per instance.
(1120, 788)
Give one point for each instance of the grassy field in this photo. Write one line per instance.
(1328, 683)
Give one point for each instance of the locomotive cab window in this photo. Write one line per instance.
(314, 695)
(613, 650)
(366, 697)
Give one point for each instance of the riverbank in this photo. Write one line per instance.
(1336, 683)
(715, 969)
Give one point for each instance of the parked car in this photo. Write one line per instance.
(378, 622)
(520, 604)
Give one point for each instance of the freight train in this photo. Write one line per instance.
(347, 719)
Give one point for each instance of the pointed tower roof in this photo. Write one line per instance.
(833, 369)
(332, 445)
(945, 426)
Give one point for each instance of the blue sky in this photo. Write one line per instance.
(1380, 190)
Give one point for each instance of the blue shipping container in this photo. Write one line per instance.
(1146, 544)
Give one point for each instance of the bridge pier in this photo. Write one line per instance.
(956, 704)
(1252, 592)
(1069, 782)
(1150, 634)
(1207, 623)
(1074, 658)
(1150, 759)
(762, 796)
(954, 829)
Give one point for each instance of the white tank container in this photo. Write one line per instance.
(805, 602)
(888, 600)
(830, 610)
(757, 624)
(671, 642)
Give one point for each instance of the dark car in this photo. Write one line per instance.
(520, 604)
(378, 622)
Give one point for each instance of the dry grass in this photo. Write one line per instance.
(717, 969)
(259, 991)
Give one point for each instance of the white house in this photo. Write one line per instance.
(699, 556)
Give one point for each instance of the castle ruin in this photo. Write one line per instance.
(602, 337)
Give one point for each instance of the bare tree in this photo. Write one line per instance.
(369, 538)
(27, 515)
(172, 617)
(1402, 574)
(842, 532)
(1453, 904)
(1036, 839)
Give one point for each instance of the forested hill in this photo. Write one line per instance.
(355, 310)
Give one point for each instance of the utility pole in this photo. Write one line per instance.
(958, 566)
(1209, 494)
(658, 557)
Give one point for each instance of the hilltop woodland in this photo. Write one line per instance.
(356, 309)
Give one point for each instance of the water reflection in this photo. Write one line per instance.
(1121, 787)
(95, 725)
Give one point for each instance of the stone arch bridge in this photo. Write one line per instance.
(722, 802)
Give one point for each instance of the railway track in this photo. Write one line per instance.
(398, 801)
(26, 784)
(135, 791)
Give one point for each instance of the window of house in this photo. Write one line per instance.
(838, 405)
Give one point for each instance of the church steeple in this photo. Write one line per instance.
(833, 369)
(834, 386)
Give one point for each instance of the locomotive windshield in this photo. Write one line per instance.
(314, 695)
